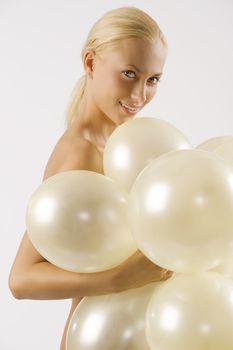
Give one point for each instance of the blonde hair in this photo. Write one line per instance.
(115, 25)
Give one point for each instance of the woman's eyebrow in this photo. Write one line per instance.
(136, 68)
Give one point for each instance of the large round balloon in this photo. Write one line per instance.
(135, 143)
(115, 321)
(180, 210)
(77, 220)
(213, 143)
(191, 312)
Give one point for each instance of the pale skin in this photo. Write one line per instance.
(127, 74)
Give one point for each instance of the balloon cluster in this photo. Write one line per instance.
(166, 198)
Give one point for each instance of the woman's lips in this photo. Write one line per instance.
(129, 109)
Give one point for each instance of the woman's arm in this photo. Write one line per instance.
(33, 277)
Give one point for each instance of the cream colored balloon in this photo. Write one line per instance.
(180, 210)
(191, 312)
(213, 143)
(115, 321)
(135, 143)
(77, 220)
(226, 151)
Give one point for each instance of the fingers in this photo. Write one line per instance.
(167, 274)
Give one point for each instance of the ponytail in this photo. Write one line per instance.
(76, 97)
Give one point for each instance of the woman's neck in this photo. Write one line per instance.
(92, 124)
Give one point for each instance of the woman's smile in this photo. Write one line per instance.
(129, 109)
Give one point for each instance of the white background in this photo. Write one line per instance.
(40, 43)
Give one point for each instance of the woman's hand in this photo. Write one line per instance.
(138, 271)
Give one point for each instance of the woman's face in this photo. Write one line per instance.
(125, 79)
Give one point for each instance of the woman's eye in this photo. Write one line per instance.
(154, 80)
(129, 74)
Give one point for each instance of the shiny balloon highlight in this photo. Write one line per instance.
(134, 144)
(77, 220)
(191, 311)
(115, 321)
(180, 210)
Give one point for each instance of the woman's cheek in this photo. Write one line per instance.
(121, 83)
(151, 94)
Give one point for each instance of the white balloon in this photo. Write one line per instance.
(213, 143)
(115, 321)
(77, 220)
(191, 312)
(135, 144)
(180, 210)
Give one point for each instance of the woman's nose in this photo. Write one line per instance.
(138, 93)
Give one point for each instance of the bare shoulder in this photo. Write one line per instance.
(73, 153)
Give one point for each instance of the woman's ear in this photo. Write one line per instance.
(89, 62)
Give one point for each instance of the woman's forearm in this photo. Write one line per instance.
(45, 281)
